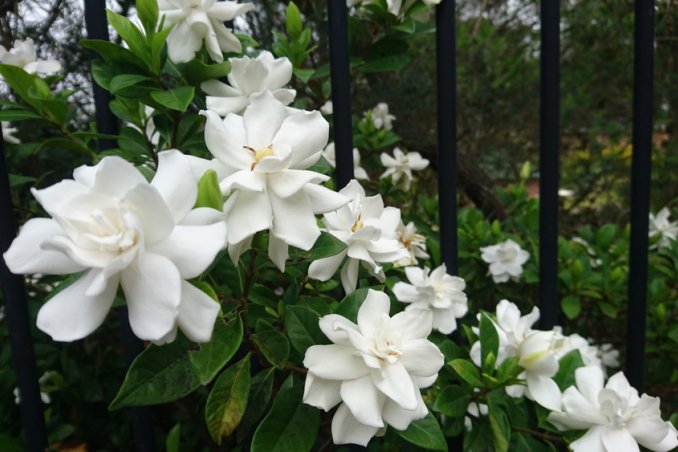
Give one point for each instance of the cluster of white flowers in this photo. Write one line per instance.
(23, 54)
(374, 368)
(506, 260)
(661, 227)
(615, 417)
(381, 118)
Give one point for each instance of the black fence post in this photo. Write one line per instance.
(97, 28)
(337, 13)
(643, 59)
(447, 132)
(18, 324)
(549, 136)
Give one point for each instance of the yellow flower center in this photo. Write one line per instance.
(357, 225)
(260, 154)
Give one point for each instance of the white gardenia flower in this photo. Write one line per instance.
(662, 227)
(8, 133)
(121, 230)
(369, 232)
(615, 418)
(327, 108)
(358, 171)
(196, 21)
(374, 368)
(265, 154)
(401, 165)
(381, 118)
(250, 76)
(537, 355)
(438, 292)
(23, 54)
(506, 260)
(413, 242)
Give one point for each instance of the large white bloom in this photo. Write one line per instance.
(662, 227)
(196, 21)
(23, 55)
(381, 118)
(401, 165)
(121, 230)
(414, 243)
(369, 231)
(8, 132)
(506, 260)
(250, 76)
(615, 418)
(375, 368)
(358, 171)
(266, 151)
(438, 292)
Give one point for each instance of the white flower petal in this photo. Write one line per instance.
(182, 43)
(294, 221)
(175, 183)
(151, 209)
(320, 393)
(349, 275)
(334, 327)
(249, 213)
(544, 391)
(262, 120)
(278, 251)
(421, 357)
(394, 381)
(592, 441)
(323, 199)
(226, 140)
(400, 418)
(619, 440)
(197, 313)
(374, 308)
(334, 362)
(346, 429)
(306, 133)
(324, 269)
(364, 401)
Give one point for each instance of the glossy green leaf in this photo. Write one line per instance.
(301, 324)
(196, 71)
(209, 193)
(130, 85)
(489, 341)
(214, 355)
(147, 10)
(499, 425)
(351, 303)
(261, 389)
(18, 115)
(175, 99)
(227, 401)
(172, 443)
(159, 374)
(452, 401)
(566, 369)
(571, 306)
(325, 246)
(467, 371)
(272, 343)
(293, 23)
(135, 39)
(425, 433)
(290, 425)
(113, 53)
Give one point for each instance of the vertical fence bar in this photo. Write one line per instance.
(18, 324)
(337, 13)
(97, 28)
(549, 136)
(447, 132)
(640, 189)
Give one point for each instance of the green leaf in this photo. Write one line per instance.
(147, 10)
(172, 443)
(176, 99)
(301, 324)
(159, 374)
(293, 23)
(272, 343)
(214, 355)
(467, 371)
(571, 306)
(129, 32)
(289, 426)
(567, 366)
(500, 426)
(227, 401)
(452, 401)
(304, 74)
(325, 246)
(62, 143)
(196, 71)
(425, 433)
(113, 53)
(351, 303)
(18, 115)
(260, 394)
(130, 85)
(28, 87)
(489, 342)
(209, 193)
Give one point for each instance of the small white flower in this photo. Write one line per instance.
(401, 165)
(23, 55)
(440, 293)
(608, 355)
(327, 108)
(264, 154)
(250, 76)
(413, 242)
(615, 418)
(662, 227)
(506, 260)
(374, 368)
(537, 356)
(369, 231)
(124, 231)
(196, 21)
(358, 171)
(381, 118)
(8, 133)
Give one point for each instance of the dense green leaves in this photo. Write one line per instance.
(289, 426)
(227, 401)
(159, 374)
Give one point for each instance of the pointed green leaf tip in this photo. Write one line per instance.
(293, 21)
(209, 193)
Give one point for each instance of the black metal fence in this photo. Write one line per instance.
(15, 298)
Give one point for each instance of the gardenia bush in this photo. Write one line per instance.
(227, 242)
